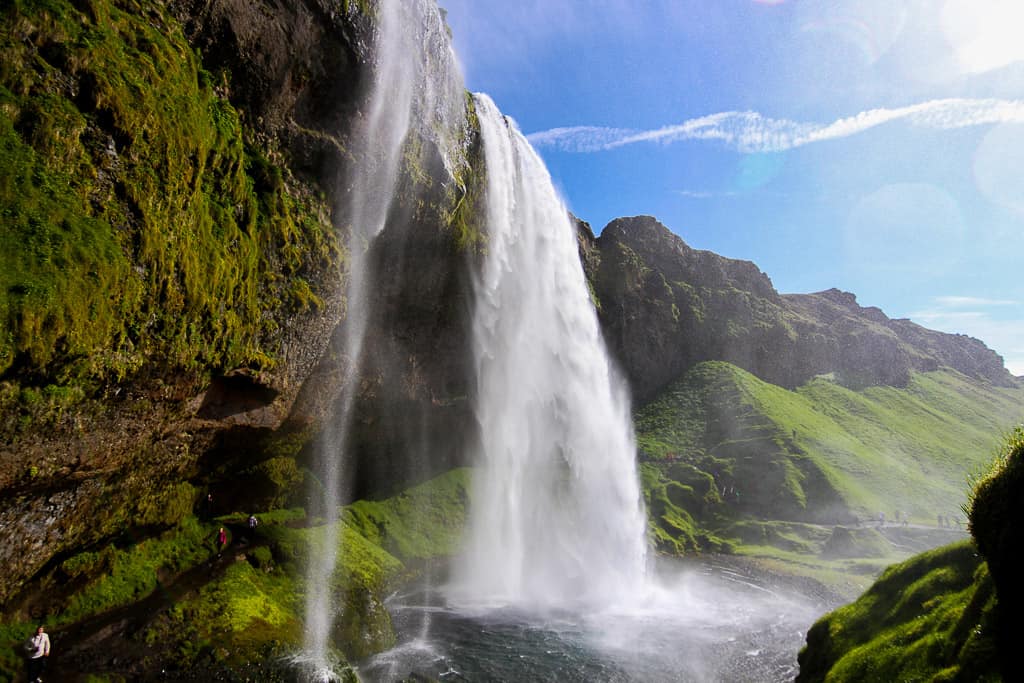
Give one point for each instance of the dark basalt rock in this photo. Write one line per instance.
(665, 307)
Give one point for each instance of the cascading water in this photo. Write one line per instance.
(556, 519)
(552, 581)
(416, 90)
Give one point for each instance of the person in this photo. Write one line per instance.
(253, 522)
(222, 540)
(38, 647)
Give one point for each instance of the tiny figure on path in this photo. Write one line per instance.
(222, 541)
(37, 649)
(253, 522)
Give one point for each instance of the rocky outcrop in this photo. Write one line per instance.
(666, 307)
(295, 69)
(130, 430)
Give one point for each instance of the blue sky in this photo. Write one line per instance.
(876, 146)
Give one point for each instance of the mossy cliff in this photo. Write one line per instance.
(950, 614)
(171, 604)
(173, 267)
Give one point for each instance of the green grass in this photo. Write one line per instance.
(824, 452)
(928, 618)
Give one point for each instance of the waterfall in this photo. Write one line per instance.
(417, 91)
(556, 518)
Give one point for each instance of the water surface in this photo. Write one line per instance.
(709, 622)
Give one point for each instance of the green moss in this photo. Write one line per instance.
(273, 483)
(671, 528)
(118, 578)
(242, 616)
(421, 523)
(928, 618)
(261, 558)
(465, 196)
(792, 537)
(995, 496)
(138, 222)
(169, 506)
(252, 613)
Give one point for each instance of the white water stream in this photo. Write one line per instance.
(416, 87)
(556, 520)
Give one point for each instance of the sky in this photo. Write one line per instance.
(876, 146)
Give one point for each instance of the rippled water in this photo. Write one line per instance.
(707, 623)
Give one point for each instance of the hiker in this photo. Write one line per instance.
(222, 540)
(253, 522)
(37, 649)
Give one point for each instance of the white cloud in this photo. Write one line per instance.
(961, 301)
(704, 194)
(750, 132)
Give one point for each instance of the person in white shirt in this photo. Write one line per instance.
(38, 650)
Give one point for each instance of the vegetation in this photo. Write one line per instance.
(138, 223)
(945, 615)
(423, 522)
(997, 524)
(251, 611)
(929, 618)
(823, 453)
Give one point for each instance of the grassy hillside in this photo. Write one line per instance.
(826, 453)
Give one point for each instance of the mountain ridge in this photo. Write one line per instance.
(665, 306)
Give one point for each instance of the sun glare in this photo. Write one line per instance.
(984, 34)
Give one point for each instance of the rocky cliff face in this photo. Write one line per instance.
(665, 307)
(193, 152)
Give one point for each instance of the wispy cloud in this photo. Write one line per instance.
(968, 301)
(751, 132)
(704, 194)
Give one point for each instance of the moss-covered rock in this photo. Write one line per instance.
(929, 618)
(997, 524)
(171, 601)
(946, 615)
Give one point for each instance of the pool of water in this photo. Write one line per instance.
(706, 622)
